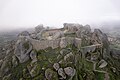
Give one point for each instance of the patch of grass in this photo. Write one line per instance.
(26, 45)
(17, 72)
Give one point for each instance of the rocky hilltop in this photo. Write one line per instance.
(73, 52)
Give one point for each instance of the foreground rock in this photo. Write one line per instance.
(50, 75)
(70, 71)
(102, 64)
(56, 66)
(61, 73)
(22, 49)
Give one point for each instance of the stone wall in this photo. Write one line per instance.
(43, 44)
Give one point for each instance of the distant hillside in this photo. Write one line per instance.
(111, 28)
(10, 35)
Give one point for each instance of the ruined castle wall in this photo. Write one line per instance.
(43, 44)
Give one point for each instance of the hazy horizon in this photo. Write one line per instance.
(16, 14)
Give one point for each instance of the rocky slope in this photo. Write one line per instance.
(73, 52)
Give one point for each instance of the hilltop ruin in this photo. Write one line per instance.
(60, 54)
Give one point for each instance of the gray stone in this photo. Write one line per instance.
(33, 56)
(115, 53)
(33, 36)
(83, 31)
(87, 29)
(100, 38)
(102, 63)
(22, 49)
(51, 75)
(63, 42)
(71, 27)
(113, 69)
(14, 61)
(1, 61)
(34, 69)
(4, 68)
(69, 57)
(39, 28)
(61, 73)
(7, 52)
(70, 71)
(55, 43)
(48, 74)
(77, 42)
(56, 66)
(58, 35)
(91, 48)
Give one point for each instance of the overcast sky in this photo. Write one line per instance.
(27, 13)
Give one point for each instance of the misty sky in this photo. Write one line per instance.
(27, 13)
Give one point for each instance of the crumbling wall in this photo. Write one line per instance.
(43, 44)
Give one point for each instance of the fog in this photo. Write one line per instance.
(29, 13)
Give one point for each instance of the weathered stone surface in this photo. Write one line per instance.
(100, 38)
(102, 63)
(1, 61)
(58, 35)
(115, 53)
(70, 71)
(113, 69)
(69, 57)
(7, 52)
(34, 69)
(4, 68)
(49, 38)
(91, 48)
(33, 36)
(97, 36)
(43, 44)
(61, 73)
(22, 49)
(33, 56)
(51, 75)
(39, 35)
(56, 66)
(39, 28)
(14, 61)
(83, 31)
(77, 42)
(70, 27)
(63, 42)
(87, 29)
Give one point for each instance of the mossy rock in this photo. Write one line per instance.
(51, 75)
(26, 45)
(26, 74)
(17, 72)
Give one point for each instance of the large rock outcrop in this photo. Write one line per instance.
(70, 53)
(100, 38)
(22, 49)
